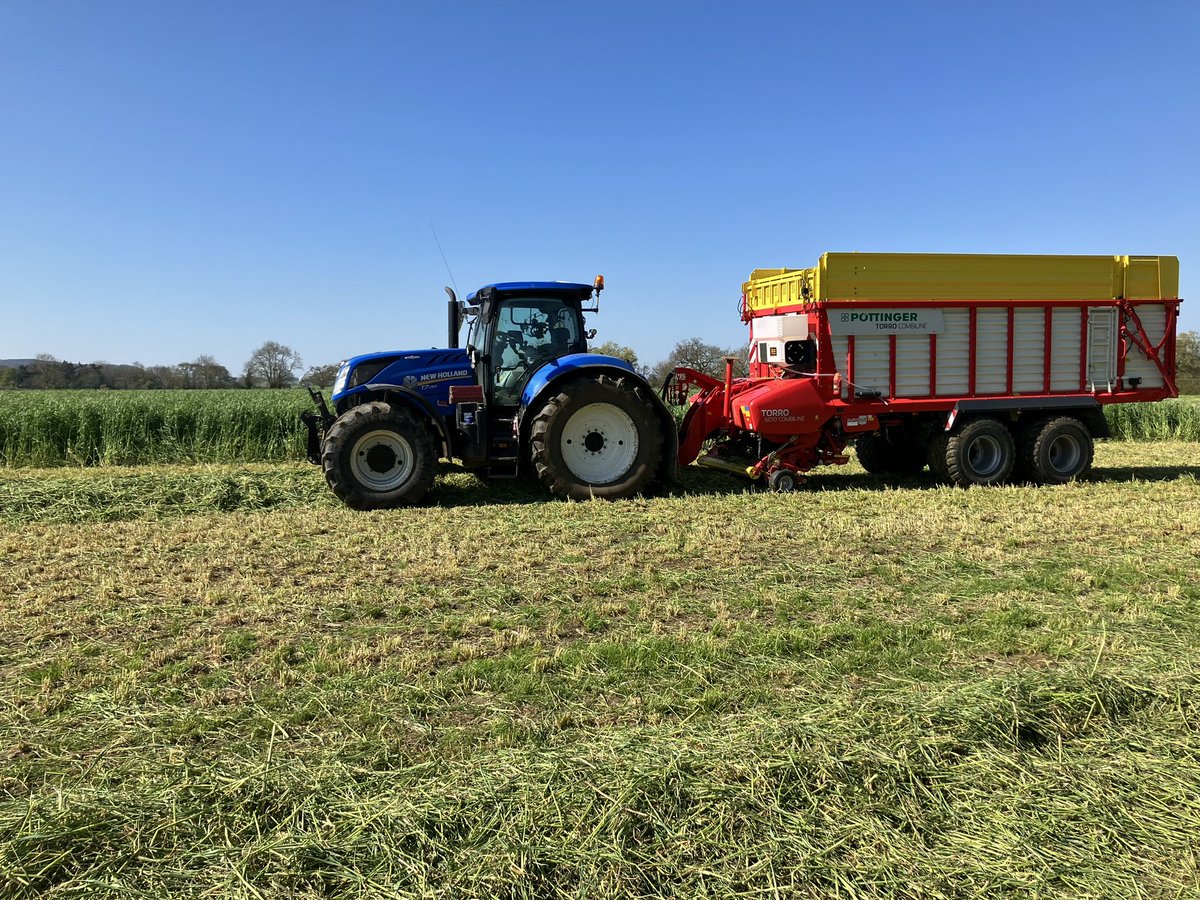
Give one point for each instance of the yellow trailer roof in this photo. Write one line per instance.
(965, 276)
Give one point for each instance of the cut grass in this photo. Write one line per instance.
(863, 689)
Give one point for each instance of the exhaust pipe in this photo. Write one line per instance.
(453, 320)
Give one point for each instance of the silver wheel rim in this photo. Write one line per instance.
(985, 456)
(382, 460)
(599, 443)
(1064, 454)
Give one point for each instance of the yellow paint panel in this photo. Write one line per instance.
(1151, 277)
(962, 276)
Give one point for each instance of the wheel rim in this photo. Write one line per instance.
(1064, 454)
(985, 456)
(382, 460)
(599, 443)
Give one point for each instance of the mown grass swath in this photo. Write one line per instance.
(52, 428)
(871, 688)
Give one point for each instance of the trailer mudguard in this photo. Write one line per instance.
(1091, 412)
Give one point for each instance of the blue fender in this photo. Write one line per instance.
(536, 387)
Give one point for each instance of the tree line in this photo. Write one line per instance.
(273, 365)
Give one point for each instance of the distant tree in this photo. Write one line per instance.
(620, 351)
(87, 376)
(272, 365)
(205, 372)
(49, 373)
(126, 377)
(321, 376)
(10, 377)
(695, 353)
(1187, 361)
(165, 377)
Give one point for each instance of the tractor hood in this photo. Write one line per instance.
(415, 369)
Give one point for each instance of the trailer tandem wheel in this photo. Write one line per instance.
(980, 452)
(1057, 450)
(892, 451)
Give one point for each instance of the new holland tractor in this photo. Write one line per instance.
(523, 398)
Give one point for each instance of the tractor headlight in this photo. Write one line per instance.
(339, 383)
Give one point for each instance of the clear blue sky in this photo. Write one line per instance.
(182, 178)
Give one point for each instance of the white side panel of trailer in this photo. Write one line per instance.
(953, 353)
(871, 363)
(991, 350)
(840, 346)
(1029, 350)
(1064, 348)
(1069, 326)
(1153, 317)
(912, 365)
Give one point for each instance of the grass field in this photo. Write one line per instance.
(218, 682)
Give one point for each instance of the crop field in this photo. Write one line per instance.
(217, 682)
(130, 428)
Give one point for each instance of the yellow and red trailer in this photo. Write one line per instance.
(984, 367)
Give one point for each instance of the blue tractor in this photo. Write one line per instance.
(523, 398)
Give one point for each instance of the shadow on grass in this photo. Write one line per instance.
(457, 487)
(1142, 473)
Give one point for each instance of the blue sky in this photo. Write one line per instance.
(179, 178)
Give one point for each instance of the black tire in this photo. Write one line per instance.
(935, 455)
(782, 481)
(377, 455)
(1055, 451)
(579, 441)
(893, 451)
(981, 452)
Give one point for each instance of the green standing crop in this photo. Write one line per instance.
(88, 428)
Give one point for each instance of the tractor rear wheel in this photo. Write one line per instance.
(981, 452)
(1055, 451)
(596, 437)
(377, 455)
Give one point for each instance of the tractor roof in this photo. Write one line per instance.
(512, 286)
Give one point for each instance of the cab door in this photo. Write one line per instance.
(526, 333)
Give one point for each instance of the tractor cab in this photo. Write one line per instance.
(518, 328)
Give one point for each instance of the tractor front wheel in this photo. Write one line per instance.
(596, 437)
(377, 455)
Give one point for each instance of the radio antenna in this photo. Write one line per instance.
(443, 252)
